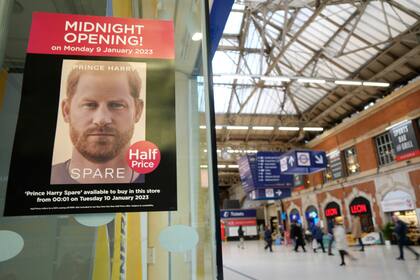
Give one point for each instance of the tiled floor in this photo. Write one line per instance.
(377, 262)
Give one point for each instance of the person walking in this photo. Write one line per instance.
(401, 233)
(296, 234)
(330, 226)
(356, 231)
(341, 240)
(317, 235)
(241, 235)
(268, 239)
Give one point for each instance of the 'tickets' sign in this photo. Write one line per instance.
(405, 141)
(96, 128)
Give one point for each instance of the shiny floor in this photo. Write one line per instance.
(377, 262)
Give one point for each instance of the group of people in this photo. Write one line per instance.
(337, 234)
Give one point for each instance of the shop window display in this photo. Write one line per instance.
(311, 216)
(352, 162)
(410, 218)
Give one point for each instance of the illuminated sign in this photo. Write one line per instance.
(331, 212)
(358, 209)
(312, 214)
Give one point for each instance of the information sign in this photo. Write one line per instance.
(302, 162)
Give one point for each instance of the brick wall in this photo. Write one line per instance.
(394, 111)
(366, 154)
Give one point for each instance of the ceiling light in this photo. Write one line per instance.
(375, 84)
(313, 81)
(262, 127)
(313, 128)
(235, 76)
(202, 127)
(237, 127)
(197, 36)
(218, 127)
(275, 79)
(233, 166)
(350, 83)
(288, 128)
(203, 166)
(221, 166)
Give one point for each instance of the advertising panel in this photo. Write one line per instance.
(405, 142)
(96, 127)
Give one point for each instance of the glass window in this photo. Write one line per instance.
(328, 176)
(384, 149)
(352, 163)
(135, 245)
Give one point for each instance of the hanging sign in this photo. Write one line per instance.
(270, 193)
(405, 142)
(302, 162)
(96, 127)
(268, 171)
(238, 213)
(262, 171)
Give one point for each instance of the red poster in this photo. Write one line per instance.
(96, 127)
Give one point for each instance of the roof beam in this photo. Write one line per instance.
(391, 67)
(404, 9)
(238, 49)
(294, 38)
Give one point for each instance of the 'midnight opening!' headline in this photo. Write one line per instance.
(103, 33)
(101, 36)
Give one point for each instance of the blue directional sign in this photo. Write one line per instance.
(263, 170)
(268, 171)
(270, 193)
(239, 213)
(302, 162)
(245, 172)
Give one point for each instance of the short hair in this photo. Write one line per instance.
(83, 67)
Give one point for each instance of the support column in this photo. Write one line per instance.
(5, 12)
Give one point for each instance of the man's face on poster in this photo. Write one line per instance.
(102, 114)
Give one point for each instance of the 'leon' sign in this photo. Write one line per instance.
(331, 212)
(358, 209)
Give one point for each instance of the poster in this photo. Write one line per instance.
(96, 126)
(404, 140)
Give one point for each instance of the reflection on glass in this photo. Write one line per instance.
(351, 161)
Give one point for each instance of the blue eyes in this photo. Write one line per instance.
(116, 105)
(111, 105)
(89, 105)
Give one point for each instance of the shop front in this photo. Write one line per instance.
(360, 206)
(332, 210)
(295, 216)
(402, 205)
(311, 215)
(98, 215)
(233, 219)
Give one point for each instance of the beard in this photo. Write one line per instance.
(100, 149)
